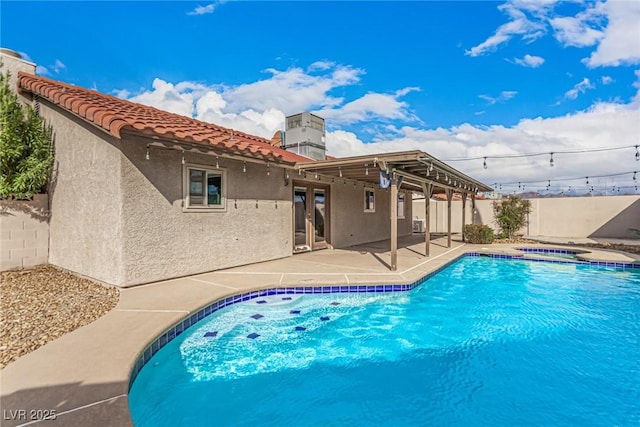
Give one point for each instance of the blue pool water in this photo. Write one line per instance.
(484, 342)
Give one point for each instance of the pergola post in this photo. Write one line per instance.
(473, 208)
(427, 189)
(449, 193)
(394, 222)
(464, 213)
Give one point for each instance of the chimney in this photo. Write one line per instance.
(12, 61)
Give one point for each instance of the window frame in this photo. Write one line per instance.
(208, 169)
(366, 199)
(404, 200)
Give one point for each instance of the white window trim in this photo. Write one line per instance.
(185, 188)
(366, 191)
(404, 205)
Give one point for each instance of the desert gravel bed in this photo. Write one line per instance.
(40, 304)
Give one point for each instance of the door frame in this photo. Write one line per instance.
(310, 219)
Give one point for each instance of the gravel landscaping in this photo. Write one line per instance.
(41, 304)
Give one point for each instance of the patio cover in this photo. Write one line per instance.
(416, 170)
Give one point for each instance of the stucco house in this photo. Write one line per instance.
(140, 195)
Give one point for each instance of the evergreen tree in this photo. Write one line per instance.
(26, 147)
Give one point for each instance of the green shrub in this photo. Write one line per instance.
(475, 233)
(511, 215)
(26, 141)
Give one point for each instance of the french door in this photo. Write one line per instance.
(310, 217)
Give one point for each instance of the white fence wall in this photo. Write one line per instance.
(577, 217)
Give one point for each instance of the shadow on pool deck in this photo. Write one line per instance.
(84, 375)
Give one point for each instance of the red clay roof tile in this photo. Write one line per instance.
(115, 115)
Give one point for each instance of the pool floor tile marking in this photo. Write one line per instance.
(211, 334)
(300, 328)
(257, 316)
(294, 312)
(286, 298)
(261, 302)
(335, 303)
(324, 318)
(253, 335)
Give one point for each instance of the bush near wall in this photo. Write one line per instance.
(476, 233)
(26, 147)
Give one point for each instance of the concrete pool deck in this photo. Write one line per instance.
(84, 375)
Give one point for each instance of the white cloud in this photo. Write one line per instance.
(607, 80)
(604, 124)
(579, 88)
(260, 107)
(42, 70)
(519, 25)
(529, 61)
(505, 95)
(204, 10)
(611, 26)
(620, 42)
(584, 29)
(58, 66)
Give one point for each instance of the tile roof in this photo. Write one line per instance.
(115, 115)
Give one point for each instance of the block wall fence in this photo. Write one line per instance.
(24, 232)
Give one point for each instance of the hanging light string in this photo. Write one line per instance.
(547, 182)
(545, 153)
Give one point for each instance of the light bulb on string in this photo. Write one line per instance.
(268, 169)
(485, 163)
(634, 176)
(340, 169)
(587, 178)
(244, 166)
(217, 163)
(147, 156)
(366, 169)
(551, 160)
(637, 153)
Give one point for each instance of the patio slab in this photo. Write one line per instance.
(84, 375)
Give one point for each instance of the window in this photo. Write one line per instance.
(369, 200)
(400, 205)
(204, 188)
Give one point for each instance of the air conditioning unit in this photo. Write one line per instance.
(418, 226)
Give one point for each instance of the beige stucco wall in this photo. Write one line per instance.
(352, 226)
(24, 232)
(86, 224)
(578, 217)
(160, 240)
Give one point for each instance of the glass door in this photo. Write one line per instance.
(310, 218)
(300, 220)
(319, 218)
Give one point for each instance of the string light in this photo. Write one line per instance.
(147, 156)
(587, 178)
(268, 169)
(431, 166)
(183, 157)
(578, 151)
(244, 166)
(316, 176)
(634, 176)
(217, 163)
(366, 169)
(340, 169)
(485, 163)
(551, 160)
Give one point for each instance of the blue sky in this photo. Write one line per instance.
(456, 79)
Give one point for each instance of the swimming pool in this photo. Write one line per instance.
(484, 342)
